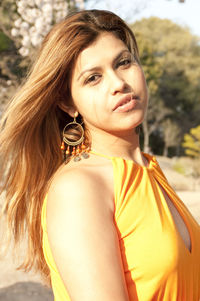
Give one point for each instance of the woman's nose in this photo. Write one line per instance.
(117, 83)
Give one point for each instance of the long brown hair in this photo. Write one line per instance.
(31, 127)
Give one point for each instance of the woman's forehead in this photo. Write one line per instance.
(104, 49)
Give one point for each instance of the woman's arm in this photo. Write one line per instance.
(84, 240)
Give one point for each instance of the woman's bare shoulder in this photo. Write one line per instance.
(82, 234)
(78, 180)
(75, 174)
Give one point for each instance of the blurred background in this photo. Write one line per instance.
(168, 35)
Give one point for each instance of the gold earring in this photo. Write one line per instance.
(73, 147)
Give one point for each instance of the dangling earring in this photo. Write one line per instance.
(74, 148)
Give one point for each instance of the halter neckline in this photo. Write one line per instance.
(151, 159)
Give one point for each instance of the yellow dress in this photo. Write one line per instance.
(157, 264)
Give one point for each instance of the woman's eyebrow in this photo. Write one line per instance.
(120, 54)
(98, 67)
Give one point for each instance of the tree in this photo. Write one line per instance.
(10, 72)
(192, 142)
(31, 20)
(171, 134)
(23, 24)
(172, 70)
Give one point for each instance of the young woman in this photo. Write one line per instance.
(104, 224)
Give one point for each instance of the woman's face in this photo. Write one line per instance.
(108, 86)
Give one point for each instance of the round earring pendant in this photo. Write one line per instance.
(74, 126)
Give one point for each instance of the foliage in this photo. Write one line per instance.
(5, 42)
(170, 56)
(192, 142)
(23, 24)
(10, 72)
(29, 21)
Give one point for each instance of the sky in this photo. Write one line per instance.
(185, 14)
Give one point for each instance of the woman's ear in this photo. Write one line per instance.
(70, 109)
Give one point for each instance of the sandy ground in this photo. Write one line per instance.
(192, 201)
(19, 286)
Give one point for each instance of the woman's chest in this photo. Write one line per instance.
(154, 230)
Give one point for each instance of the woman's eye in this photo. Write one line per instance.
(124, 62)
(92, 78)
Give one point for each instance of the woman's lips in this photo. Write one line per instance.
(126, 104)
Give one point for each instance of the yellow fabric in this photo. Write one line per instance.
(157, 264)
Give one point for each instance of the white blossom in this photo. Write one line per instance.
(31, 3)
(14, 32)
(32, 30)
(33, 12)
(35, 20)
(21, 10)
(36, 40)
(24, 51)
(26, 41)
(18, 22)
(21, 4)
(59, 15)
(47, 20)
(38, 3)
(24, 25)
(47, 8)
(39, 24)
(23, 32)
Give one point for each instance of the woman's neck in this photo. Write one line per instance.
(124, 145)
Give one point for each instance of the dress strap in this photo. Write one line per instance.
(99, 154)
